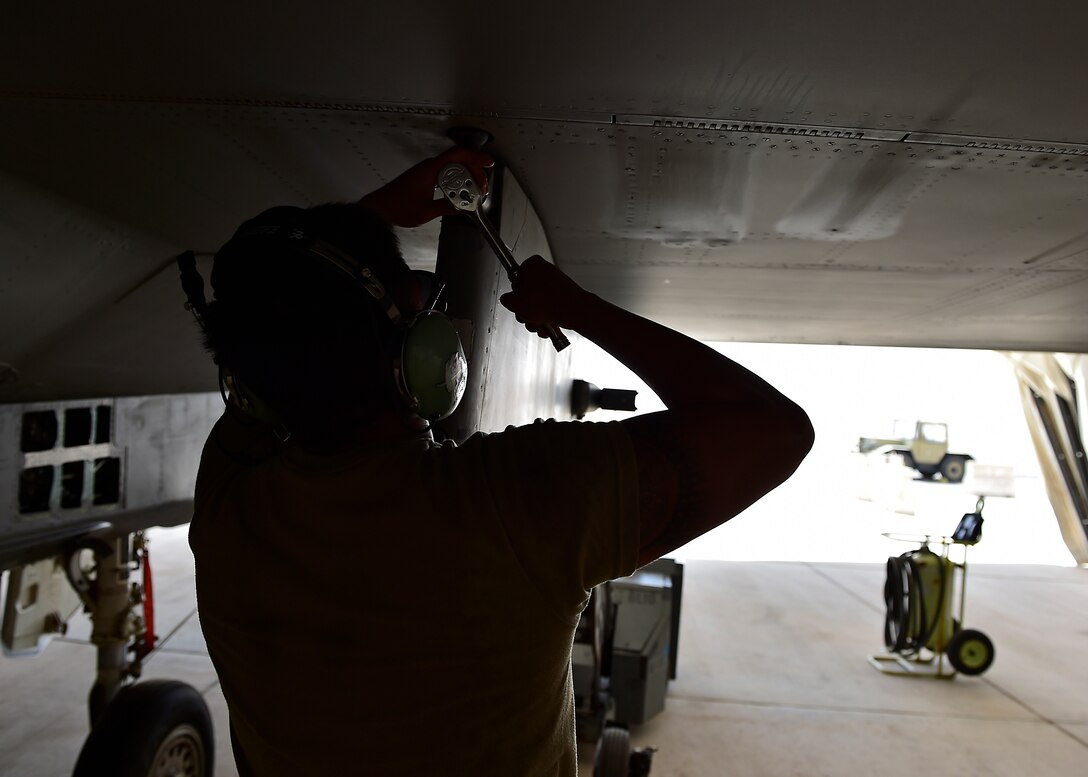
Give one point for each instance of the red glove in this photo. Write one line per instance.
(408, 200)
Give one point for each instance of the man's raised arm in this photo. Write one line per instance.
(727, 438)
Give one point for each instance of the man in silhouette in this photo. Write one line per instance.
(377, 603)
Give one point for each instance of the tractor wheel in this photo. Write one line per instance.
(613, 753)
(953, 468)
(970, 652)
(151, 729)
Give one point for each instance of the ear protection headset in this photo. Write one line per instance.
(428, 363)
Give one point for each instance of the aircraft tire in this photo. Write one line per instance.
(613, 753)
(970, 652)
(152, 728)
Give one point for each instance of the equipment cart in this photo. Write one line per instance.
(923, 622)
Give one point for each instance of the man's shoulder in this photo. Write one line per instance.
(549, 437)
(538, 430)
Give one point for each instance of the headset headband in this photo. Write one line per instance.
(429, 363)
(343, 261)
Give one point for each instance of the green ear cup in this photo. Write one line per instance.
(433, 368)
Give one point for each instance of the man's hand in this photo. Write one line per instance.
(408, 200)
(544, 296)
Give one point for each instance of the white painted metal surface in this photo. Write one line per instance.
(949, 209)
(153, 445)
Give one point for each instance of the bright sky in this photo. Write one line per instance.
(850, 392)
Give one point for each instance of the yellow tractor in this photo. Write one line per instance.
(926, 451)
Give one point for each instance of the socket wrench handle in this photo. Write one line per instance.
(505, 255)
(460, 188)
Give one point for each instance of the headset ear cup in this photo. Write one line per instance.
(432, 371)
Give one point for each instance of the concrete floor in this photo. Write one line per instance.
(773, 678)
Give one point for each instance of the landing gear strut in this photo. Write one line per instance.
(149, 729)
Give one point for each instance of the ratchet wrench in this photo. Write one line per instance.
(459, 187)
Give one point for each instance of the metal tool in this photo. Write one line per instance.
(460, 188)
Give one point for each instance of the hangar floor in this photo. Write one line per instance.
(773, 678)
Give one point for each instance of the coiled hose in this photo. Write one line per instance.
(904, 598)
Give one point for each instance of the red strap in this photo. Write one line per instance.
(149, 603)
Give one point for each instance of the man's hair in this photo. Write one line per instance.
(296, 331)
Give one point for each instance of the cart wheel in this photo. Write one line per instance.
(970, 651)
(613, 753)
(151, 729)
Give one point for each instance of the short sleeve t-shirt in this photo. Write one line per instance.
(407, 608)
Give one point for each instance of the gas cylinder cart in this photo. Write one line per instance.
(922, 626)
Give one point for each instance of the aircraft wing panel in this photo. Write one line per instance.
(515, 377)
(1002, 70)
(863, 174)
